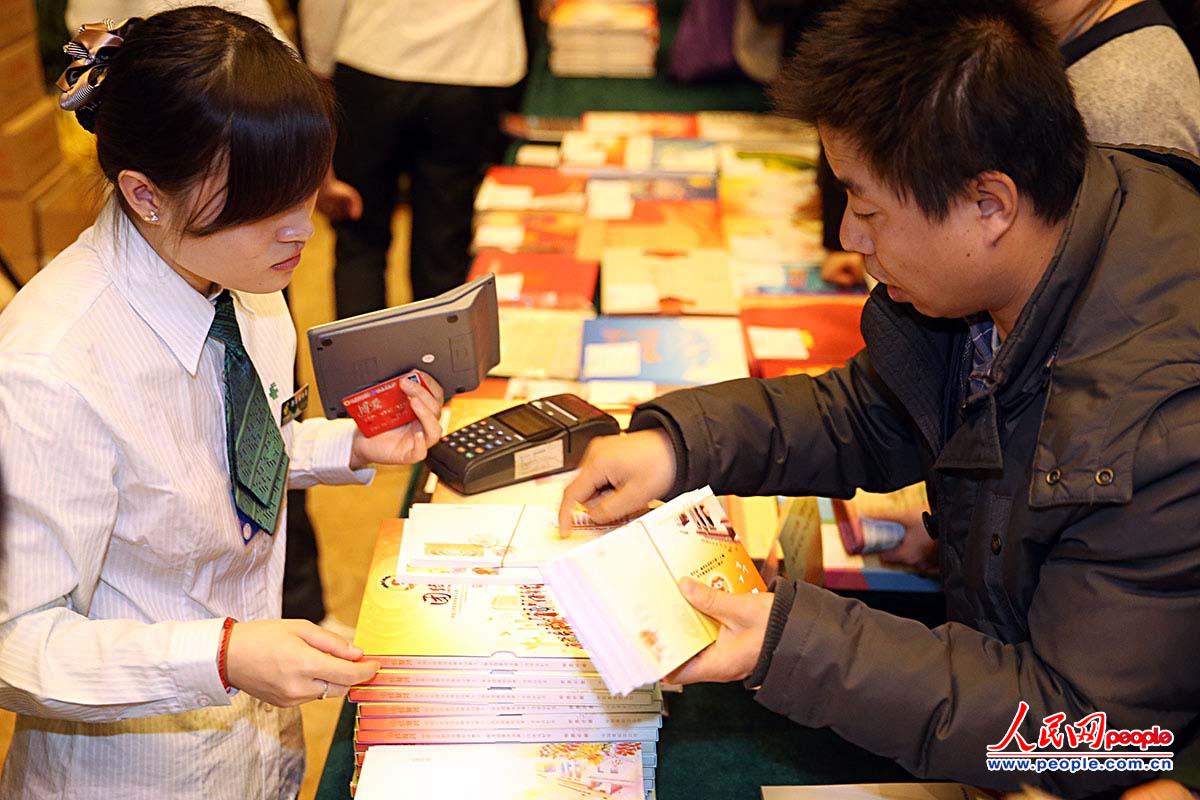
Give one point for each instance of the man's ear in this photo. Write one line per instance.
(141, 195)
(997, 203)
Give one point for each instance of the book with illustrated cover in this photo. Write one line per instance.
(620, 592)
(648, 223)
(746, 126)
(541, 342)
(503, 542)
(667, 351)
(756, 159)
(641, 281)
(648, 123)
(530, 189)
(539, 280)
(760, 282)
(483, 627)
(808, 336)
(649, 754)
(527, 231)
(785, 240)
(774, 195)
(557, 771)
(637, 155)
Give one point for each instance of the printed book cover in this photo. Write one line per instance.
(556, 771)
(460, 626)
(810, 335)
(657, 224)
(539, 280)
(674, 281)
(541, 342)
(621, 592)
(648, 123)
(529, 231)
(530, 189)
(667, 351)
(498, 537)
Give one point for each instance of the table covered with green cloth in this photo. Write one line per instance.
(551, 96)
(715, 742)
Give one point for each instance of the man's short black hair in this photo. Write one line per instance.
(934, 92)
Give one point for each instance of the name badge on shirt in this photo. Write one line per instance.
(293, 408)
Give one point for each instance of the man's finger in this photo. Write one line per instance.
(707, 600)
(623, 501)
(587, 483)
(696, 669)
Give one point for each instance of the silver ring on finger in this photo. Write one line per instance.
(325, 691)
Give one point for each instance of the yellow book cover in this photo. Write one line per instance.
(460, 626)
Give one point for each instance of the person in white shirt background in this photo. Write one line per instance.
(140, 638)
(421, 86)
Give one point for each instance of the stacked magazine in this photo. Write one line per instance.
(603, 38)
(483, 663)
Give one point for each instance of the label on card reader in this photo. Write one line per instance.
(546, 457)
(383, 406)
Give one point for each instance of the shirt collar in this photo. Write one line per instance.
(175, 311)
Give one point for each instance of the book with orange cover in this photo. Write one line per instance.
(461, 626)
(539, 280)
(675, 125)
(659, 213)
(809, 335)
(530, 189)
(531, 231)
(621, 594)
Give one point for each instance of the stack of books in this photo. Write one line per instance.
(482, 663)
(603, 38)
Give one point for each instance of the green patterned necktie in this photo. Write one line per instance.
(258, 463)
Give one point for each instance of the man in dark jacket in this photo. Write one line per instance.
(1033, 355)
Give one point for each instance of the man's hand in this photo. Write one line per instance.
(844, 269)
(338, 200)
(743, 619)
(619, 475)
(409, 443)
(287, 662)
(917, 549)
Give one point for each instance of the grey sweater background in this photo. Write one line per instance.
(1140, 88)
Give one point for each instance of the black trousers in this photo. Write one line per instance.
(442, 137)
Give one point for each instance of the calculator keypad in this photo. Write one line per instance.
(481, 437)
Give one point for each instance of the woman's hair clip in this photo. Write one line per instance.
(91, 52)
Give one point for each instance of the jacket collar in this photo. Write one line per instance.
(178, 314)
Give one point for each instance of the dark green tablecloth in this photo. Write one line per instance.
(716, 742)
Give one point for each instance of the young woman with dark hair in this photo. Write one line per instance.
(143, 435)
